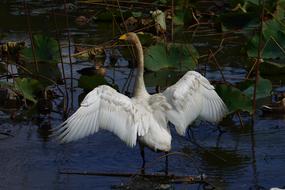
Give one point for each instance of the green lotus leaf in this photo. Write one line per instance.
(28, 88)
(45, 49)
(234, 98)
(88, 83)
(182, 57)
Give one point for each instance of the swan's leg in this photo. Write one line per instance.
(143, 159)
(166, 163)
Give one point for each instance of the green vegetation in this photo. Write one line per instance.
(168, 35)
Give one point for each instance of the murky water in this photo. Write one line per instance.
(249, 157)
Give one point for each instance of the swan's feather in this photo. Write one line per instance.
(105, 108)
(191, 97)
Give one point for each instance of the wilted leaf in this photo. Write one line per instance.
(46, 49)
(97, 52)
(28, 88)
(235, 99)
(179, 56)
(159, 19)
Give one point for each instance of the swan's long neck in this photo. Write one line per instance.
(139, 89)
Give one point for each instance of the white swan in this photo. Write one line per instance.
(144, 117)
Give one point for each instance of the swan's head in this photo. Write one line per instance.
(130, 37)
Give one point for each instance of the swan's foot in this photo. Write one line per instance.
(166, 164)
(221, 131)
(143, 159)
(142, 171)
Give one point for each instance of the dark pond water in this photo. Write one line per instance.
(249, 157)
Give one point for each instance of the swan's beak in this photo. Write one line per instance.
(123, 37)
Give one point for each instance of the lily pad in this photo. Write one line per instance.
(178, 56)
(183, 17)
(137, 14)
(272, 68)
(237, 20)
(178, 18)
(273, 41)
(146, 39)
(46, 73)
(45, 49)
(163, 78)
(234, 98)
(28, 88)
(264, 88)
(88, 83)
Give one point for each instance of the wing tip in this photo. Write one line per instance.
(59, 133)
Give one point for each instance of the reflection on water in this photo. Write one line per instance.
(31, 161)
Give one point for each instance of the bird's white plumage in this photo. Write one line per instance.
(191, 97)
(105, 108)
(144, 116)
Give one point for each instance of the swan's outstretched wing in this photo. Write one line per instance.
(104, 108)
(191, 97)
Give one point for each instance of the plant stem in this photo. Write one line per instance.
(261, 3)
(69, 55)
(31, 35)
(65, 98)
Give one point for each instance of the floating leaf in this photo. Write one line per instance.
(273, 41)
(179, 56)
(235, 99)
(46, 49)
(106, 16)
(272, 68)
(163, 1)
(49, 72)
(256, 2)
(263, 89)
(146, 39)
(162, 78)
(28, 88)
(137, 14)
(237, 20)
(88, 83)
(183, 17)
(178, 18)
